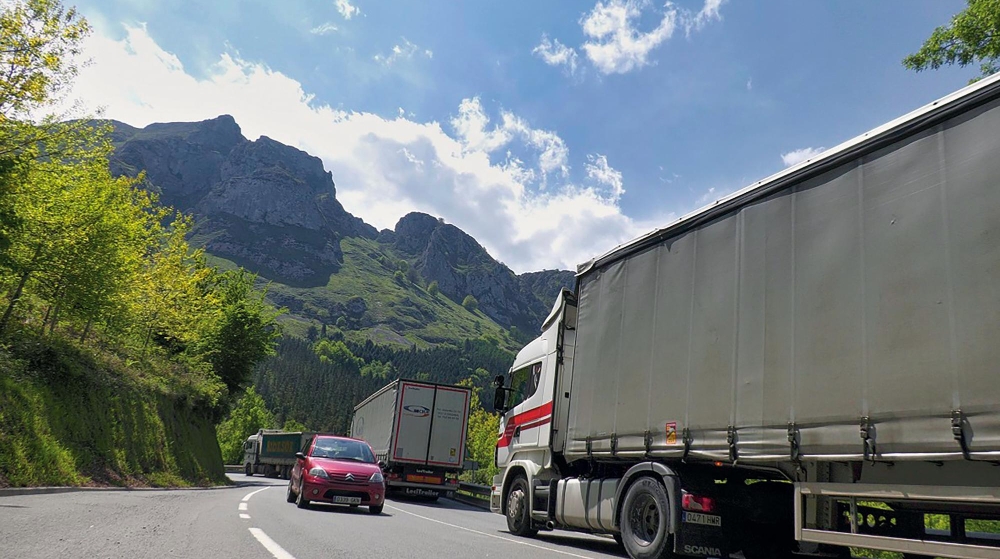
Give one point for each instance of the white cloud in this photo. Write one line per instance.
(384, 167)
(555, 53)
(750, 84)
(616, 40)
(346, 9)
(798, 156)
(324, 29)
(405, 51)
(599, 171)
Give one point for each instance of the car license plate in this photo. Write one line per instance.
(704, 519)
(347, 500)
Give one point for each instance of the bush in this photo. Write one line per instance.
(470, 303)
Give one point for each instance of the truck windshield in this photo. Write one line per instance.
(524, 383)
(343, 450)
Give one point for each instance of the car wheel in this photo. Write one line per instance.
(375, 509)
(644, 520)
(301, 501)
(289, 494)
(518, 509)
(248, 470)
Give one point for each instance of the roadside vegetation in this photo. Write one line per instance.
(119, 346)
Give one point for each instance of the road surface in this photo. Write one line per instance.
(253, 521)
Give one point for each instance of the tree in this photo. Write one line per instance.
(244, 332)
(399, 277)
(470, 303)
(249, 415)
(433, 289)
(482, 438)
(972, 36)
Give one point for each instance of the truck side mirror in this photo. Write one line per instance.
(300, 456)
(499, 399)
(498, 381)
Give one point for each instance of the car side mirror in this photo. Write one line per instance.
(499, 399)
(382, 465)
(300, 456)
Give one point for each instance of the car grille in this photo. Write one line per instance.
(358, 479)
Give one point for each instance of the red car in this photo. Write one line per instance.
(337, 470)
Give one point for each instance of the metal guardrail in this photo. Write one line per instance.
(473, 494)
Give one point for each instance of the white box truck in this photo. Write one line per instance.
(418, 429)
(807, 365)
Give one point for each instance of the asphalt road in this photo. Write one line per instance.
(253, 521)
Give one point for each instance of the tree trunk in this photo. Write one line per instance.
(55, 319)
(86, 331)
(13, 301)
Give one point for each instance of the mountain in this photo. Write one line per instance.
(272, 209)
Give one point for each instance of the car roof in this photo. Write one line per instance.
(339, 437)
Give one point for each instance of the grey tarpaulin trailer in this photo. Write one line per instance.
(838, 322)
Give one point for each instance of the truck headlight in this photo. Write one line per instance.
(377, 478)
(318, 472)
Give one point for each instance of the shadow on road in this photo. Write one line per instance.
(442, 503)
(599, 545)
(343, 509)
(13, 507)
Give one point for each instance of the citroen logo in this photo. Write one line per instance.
(349, 477)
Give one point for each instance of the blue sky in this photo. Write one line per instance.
(550, 131)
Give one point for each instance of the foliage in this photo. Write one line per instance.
(337, 354)
(433, 289)
(249, 415)
(973, 35)
(482, 437)
(399, 278)
(470, 303)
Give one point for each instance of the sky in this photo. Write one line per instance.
(549, 131)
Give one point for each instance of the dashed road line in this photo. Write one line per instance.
(243, 506)
(518, 542)
(252, 493)
(245, 516)
(272, 546)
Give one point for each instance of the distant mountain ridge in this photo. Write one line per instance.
(273, 209)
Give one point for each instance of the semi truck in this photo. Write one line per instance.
(271, 452)
(808, 365)
(418, 431)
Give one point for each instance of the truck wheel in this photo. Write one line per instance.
(289, 494)
(375, 509)
(644, 520)
(301, 501)
(248, 470)
(618, 539)
(518, 511)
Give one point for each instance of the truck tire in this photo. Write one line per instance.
(518, 509)
(300, 500)
(289, 494)
(375, 509)
(248, 470)
(645, 519)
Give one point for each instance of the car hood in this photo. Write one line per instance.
(345, 466)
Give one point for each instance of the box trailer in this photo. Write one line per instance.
(271, 452)
(807, 364)
(419, 430)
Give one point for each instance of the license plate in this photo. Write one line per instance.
(700, 518)
(347, 500)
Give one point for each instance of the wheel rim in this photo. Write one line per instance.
(644, 520)
(515, 506)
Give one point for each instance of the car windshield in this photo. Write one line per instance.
(338, 449)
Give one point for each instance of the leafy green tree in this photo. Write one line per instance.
(470, 303)
(972, 36)
(377, 369)
(249, 415)
(338, 354)
(482, 438)
(244, 332)
(433, 289)
(293, 425)
(403, 266)
(399, 278)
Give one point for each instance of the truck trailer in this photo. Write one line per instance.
(418, 430)
(271, 452)
(809, 364)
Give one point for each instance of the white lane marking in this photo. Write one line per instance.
(245, 516)
(519, 542)
(243, 506)
(252, 493)
(270, 545)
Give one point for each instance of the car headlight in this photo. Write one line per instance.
(377, 478)
(319, 472)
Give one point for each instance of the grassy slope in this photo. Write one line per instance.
(397, 314)
(75, 417)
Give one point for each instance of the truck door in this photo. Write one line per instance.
(530, 415)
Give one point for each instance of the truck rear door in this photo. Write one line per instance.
(447, 441)
(413, 423)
